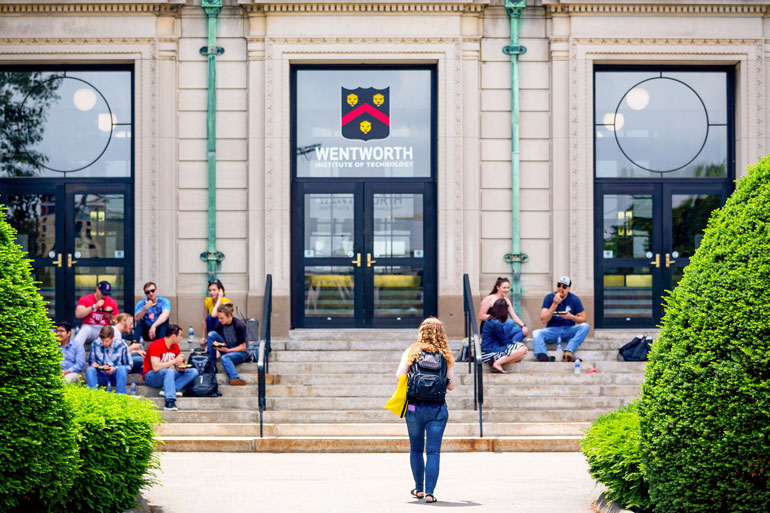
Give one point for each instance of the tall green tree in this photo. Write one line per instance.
(705, 408)
(37, 442)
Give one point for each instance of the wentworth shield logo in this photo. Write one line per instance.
(365, 113)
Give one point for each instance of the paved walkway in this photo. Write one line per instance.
(255, 482)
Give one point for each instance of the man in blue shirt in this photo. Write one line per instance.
(564, 316)
(73, 355)
(151, 314)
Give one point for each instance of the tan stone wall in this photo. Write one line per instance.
(564, 41)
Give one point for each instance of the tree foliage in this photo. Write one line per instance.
(37, 446)
(705, 409)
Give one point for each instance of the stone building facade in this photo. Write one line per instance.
(583, 212)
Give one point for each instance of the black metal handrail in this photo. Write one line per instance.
(474, 349)
(263, 362)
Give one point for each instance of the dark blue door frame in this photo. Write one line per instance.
(64, 191)
(662, 271)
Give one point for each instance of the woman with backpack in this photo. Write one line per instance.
(429, 364)
(498, 344)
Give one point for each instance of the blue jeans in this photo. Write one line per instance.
(573, 335)
(138, 363)
(118, 378)
(170, 379)
(514, 331)
(426, 419)
(229, 360)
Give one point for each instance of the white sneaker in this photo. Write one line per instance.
(178, 394)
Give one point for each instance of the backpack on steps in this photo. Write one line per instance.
(636, 350)
(205, 383)
(427, 378)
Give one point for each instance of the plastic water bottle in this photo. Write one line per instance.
(577, 366)
(141, 341)
(109, 387)
(191, 332)
(77, 330)
(133, 388)
(559, 350)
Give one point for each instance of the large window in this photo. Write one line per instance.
(663, 123)
(68, 123)
(372, 122)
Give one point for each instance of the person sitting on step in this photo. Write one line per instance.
(229, 340)
(565, 318)
(498, 346)
(73, 355)
(124, 330)
(164, 366)
(109, 361)
(514, 326)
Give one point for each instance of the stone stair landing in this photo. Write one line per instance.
(327, 389)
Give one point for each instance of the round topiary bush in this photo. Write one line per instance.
(705, 408)
(116, 441)
(611, 447)
(37, 445)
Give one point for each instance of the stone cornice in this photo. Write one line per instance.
(77, 41)
(90, 8)
(663, 41)
(353, 6)
(655, 8)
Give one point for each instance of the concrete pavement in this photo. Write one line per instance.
(268, 482)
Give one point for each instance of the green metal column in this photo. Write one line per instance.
(212, 8)
(515, 9)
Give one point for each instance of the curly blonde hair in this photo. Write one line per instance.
(432, 339)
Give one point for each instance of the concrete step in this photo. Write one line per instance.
(492, 390)
(558, 443)
(379, 415)
(587, 355)
(372, 429)
(620, 335)
(464, 378)
(378, 367)
(373, 403)
(407, 336)
(397, 345)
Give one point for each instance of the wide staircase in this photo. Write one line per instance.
(327, 388)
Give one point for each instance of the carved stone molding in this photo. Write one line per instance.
(35, 41)
(89, 8)
(652, 8)
(667, 41)
(374, 7)
(320, 41)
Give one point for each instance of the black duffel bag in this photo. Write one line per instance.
(205, 383)
(636, 350)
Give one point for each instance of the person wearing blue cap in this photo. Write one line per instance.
(565, 318)
(96, 310)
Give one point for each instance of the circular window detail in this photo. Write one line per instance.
(661, 124)
(74, 124)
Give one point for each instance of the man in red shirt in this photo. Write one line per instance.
(96, 310)
(163, 366)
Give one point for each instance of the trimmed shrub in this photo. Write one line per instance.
(117, 449)
(611, 447)
(37, 446)
(705, 408)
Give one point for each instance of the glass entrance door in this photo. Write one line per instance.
(360, 254)
(76, 234)
(645, 236)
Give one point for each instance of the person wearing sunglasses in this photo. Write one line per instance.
(151, 314)
(564, 316)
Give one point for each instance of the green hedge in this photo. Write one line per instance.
(37, 445)
(611, 447)
(705, 409)
(115, 437)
